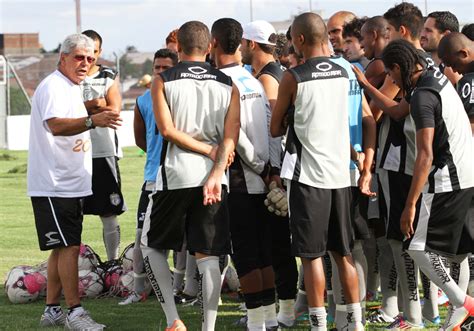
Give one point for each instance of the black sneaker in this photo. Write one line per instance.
(183, 298)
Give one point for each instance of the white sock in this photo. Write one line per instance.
(317, 318)
(75, 312)
(354, 315)
(111, 235)
(270, 316)
(210, 290)
(178, 278)
(430, 308)
(388, 278)
(301, 304)
(256, 319)
(340, 317)
(286, 314)
(430, 263)
(139, 274)
(157, 269)
(191, 284)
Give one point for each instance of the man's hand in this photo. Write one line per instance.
(363, 81)
(406, 221)
(212, 190)
(277, 180)
(213, 155)
(107, 119)
(364, 183)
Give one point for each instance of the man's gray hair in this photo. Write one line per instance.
(76, 41)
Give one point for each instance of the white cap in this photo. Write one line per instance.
(259, 31)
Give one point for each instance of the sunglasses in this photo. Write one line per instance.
(80, 58)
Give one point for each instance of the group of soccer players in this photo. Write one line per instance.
(356, 174)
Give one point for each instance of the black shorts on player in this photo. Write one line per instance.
(320, 220)
(143, 204)
(440, 223)
(399, 186)
(58, 221)
(251, 232)
(359, 214)
(107, 198)
(175, 213)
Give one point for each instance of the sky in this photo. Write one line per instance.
(146, 23)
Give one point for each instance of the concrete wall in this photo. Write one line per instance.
(18, 131)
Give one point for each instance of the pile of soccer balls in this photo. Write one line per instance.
(26, 284)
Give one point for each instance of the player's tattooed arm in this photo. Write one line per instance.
(166, 126)
(286, 96)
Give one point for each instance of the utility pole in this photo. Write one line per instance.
(310, 6)
(78, 16)
(251, 11)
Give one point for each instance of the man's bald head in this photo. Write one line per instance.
(377, 24)
(311, 26)
(335, 25)
(457, 51)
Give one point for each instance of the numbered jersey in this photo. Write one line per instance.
(58, 166)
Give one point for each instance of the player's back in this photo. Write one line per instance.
(198, 97)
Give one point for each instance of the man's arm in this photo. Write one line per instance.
(375, 73)
(213, 187)
(166, 126)
(113, 97)
(286, 92)
(139, 129)
(270, 87)
(424, 160)
(369, 128)
(382, 100)
(247, 153)
(73, 126)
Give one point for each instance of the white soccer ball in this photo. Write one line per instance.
(126, 284)
(91, 284)
(231, 279)
(127, 258)
(87, 258)
(23, 284)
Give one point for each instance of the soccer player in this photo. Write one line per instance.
(198, 114)
(59, 176)
(258, 47)
(442, 187)
(437, 25)
(250, 224)
(319, 205)
(149, 140)
(353, 51)
(101, 89)
(335, 25)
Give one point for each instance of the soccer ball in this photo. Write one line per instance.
(126, 284)
(23, 284)
(112, 277)
(231, 279)
(88, 259)
(127, 257)
(90, 284)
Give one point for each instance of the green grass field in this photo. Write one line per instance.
(19, 245)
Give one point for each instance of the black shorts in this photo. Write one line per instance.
(58, 221)
(440, 223)
(395, 189)
(320, 220)
(251, 232)
(106, 198)
(359, 204)
(143, 205)
(175, 213)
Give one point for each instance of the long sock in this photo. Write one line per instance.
(431, 265)
(460, 272)
(191, 284)
(286, 314)
(178, 278)
(340, 315)
(330, 292)
(301, 303)
(354, 316)
(268, 302)
(157, 269)
(139, 275)
(317, 318)
(111, 235)
(371, 252)
(179, 269)
(224, 261)
(430, 295)
(256, 319)
(360, 262)
(408, 277)
(471, 276)
(210, 281)
(388, 278)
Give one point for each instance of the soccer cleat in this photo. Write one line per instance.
(455, 318)
(178, 325)
(52, 318)
(286, 323)
(435, 321)
(379, 317)
(133, 298)
(83, 322)
(442, 298)
(402, 324)
(184, 298)
(241, 322)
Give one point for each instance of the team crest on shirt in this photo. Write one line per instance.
(197, 73)
(197, 70)
(324, 66)
(115, 199)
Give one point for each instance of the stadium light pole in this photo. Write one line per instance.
(78, 16)
(251, 11)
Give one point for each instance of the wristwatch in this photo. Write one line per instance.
(89, 124)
